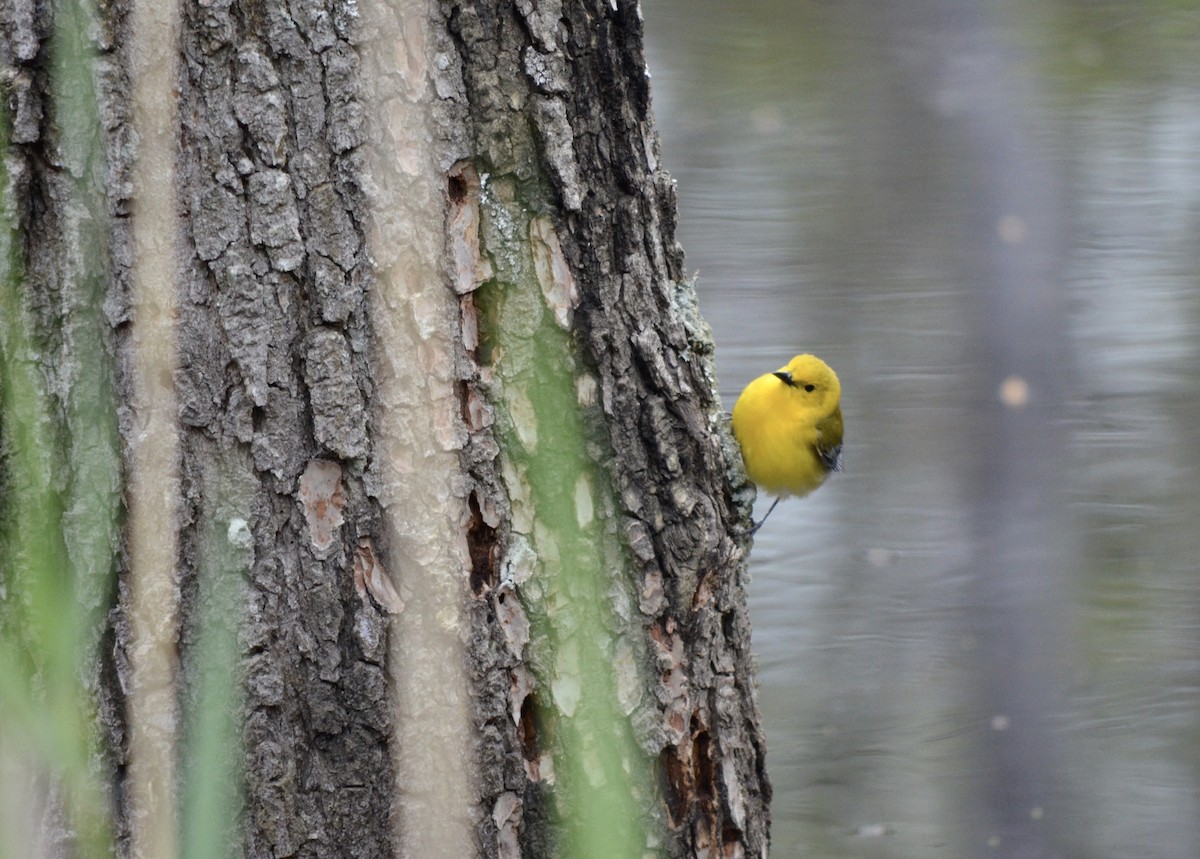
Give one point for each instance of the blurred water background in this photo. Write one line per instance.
(983, 638)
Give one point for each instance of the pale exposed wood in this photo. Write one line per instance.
(154, 444)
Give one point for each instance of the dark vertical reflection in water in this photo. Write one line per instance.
(969, 87)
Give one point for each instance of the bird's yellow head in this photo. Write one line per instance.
(810, 380)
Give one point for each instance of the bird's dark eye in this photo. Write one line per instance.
(810, 387)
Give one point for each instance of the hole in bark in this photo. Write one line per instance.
(702, 768)
(731, 839)
(463, 396)
(674, 788)
(706, 814)
(456, 188)
(527, 728)
(481, 543)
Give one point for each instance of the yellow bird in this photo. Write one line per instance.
(789, 425)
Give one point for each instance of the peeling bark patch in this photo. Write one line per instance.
(735, 802)
(514, 623)
(558, 140)
(673, 689)
(322, 498)
(370, 577)
(506, 814)
(468, 320)
(477, 412)
(652, 599)
(553, 271)
(481, 544)
(471, 267)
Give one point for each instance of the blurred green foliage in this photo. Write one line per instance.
(604, 789)
(61, 503)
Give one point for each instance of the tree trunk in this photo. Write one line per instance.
(425, 471)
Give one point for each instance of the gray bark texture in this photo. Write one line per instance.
(583, 102)
(275, 379)
(274, 373)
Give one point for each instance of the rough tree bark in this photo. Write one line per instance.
(413, 233)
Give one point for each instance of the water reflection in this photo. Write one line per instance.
(831, 203)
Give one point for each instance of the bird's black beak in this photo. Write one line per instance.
(783, 376)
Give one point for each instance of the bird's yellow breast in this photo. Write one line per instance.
(789, 426)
